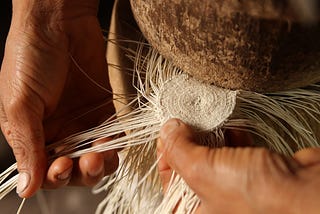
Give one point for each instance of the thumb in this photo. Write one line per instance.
(23, 130)
(21, 116)
(25, 94)
(205, 169)
(179, 153)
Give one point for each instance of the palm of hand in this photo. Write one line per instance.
(79, 95)
(42, 92)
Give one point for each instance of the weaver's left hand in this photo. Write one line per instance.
(44, 96)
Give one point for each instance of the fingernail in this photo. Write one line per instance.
(23, 182)
(96, 172)
(168, 128)
(65, 175)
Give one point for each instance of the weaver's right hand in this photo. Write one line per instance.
(240, 180)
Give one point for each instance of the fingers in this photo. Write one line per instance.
(59, 173)
(23, 130)
(23, 109)
(34, 79)
(177, 143)
(85, 171)
(31, 161)
(218, 176)
(91, 167)
(308, 157)
(165, 171)
(21, 124)
(180, 152)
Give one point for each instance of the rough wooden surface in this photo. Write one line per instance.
(229, 48)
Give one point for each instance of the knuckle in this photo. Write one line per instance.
(24, 145)
(194, 173)
(175, 140)
(19, 150)
(262, 176)
(173, 145)
(260, 163)
(15, 105)
(24, 94)
(6, 130)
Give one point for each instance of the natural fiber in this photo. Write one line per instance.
(203, 106)
(284, 122)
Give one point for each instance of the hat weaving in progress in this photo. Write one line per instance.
(219, 65)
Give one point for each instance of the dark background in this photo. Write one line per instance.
(5, 18)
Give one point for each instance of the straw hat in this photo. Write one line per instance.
(254, 45)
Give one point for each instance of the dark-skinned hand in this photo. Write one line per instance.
(242, 179)
(43, 94)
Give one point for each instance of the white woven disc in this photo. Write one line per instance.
(203, 106)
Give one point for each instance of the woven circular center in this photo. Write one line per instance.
(203, 106)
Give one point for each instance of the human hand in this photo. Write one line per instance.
(43, 94)
(240, 180)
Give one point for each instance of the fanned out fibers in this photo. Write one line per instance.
(284, 122)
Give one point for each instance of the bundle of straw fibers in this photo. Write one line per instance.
(200, 84)
(259, 52)
(283, 117)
